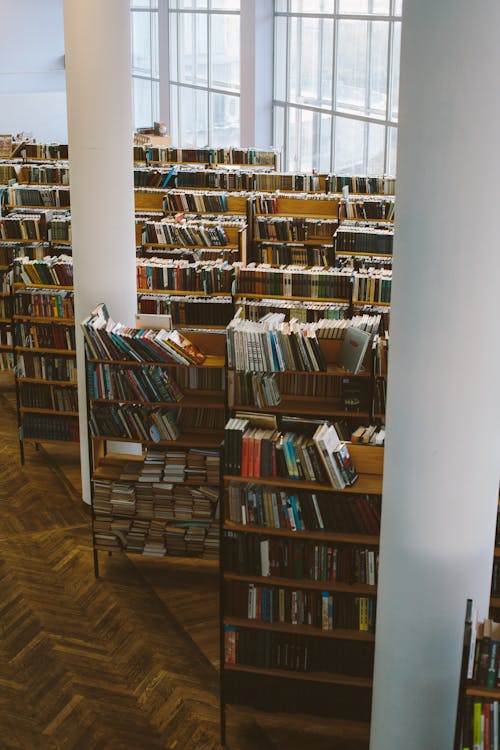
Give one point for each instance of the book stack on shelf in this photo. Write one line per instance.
(477, 724)
(157, 388)
(7, 255)
(45, 353)
(367, 208)
(300, 527)
(359, 184)
(224, 238)
(33, 196)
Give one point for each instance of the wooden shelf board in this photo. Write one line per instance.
(495, 602)
(325, 677)
(210, 361)
(5, 321)
(6, 348)
(191, 247)
(284, 627)
(61, 321)
(321, 536)
(61, 242)
(22, 241)
(497, 552)
(321, 408)
(372, 303)
(21, 285)
(366, 484)
(66, 352)
(183, 293)
(358, 589)
(64, 383)
(325, 241)
(34, 410)
(484, 692)
(251, 295)
(359, 253)
(183, 403)
(50, 441)
(186, 440)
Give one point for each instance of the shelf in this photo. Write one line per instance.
(284, 627)
(4, 268)
(210, 361)
(191, 247)
(30, 319)
(485, 692)
(6, 347)
(22, 285)
(360, 254)
(320, 241)
(326, 677)
(372, 303)
(357, 589)
(22, 241)
(328, 407)
(497, 552)
(495, 602)
(56, 412)
(61, 242)
(64, 383)
(183, 403)
(367, 484)
(285, 214)
(49, 441)
(65, 352)
(321, 536)
(5, 321)
(183, 293)
(186, 440)
(251, 295)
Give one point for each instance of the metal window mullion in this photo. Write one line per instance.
(388, 102)
(287, 94)
(334, 84)
(209, 79)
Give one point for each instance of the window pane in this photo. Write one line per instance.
(361, 66)
(309, 136)
(141, 89)
(225, 51)
(155, 46)
(392, 145)
(141, 42)
(349, 149)
(155, 101)
(193, 3)
(226, 4)
(193, 125)
(280, 6)
(225, 120)
(279, 128)
(140, 4)
(311, 61)
(382, 7)
(312, 6)
(193, 43)
(398, 7)
(375, 157)
(396, 54)
(280, 23)
(173, 55)
(174, 115)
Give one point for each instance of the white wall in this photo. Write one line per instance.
(32, 77)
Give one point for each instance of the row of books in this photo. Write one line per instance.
(481, 724)
(273, 345)
(5, 307)
(49, 397)
(381, 184)
(206, 420)
(6, 336)
(270, 507)
(188, 310)
(294, 229)
(44, 174)
(225, 179)
(371, 435)
(48, 427)
(367, 208)
(153, 177)
(252, 389)
(372, 285)
(259, 452)
(275, 604)
(199, 201)
(107, 381)
(130, 421)
(170, 232)
(25, 226)
(60, 227)
(173, 466)
(45, 336)
(208, 277)
(297, 653)
(45, 303)
(230, 155)
(44, 151)
(352, 238)
(277, 254)
(105, 339)
(302, 310)
(323, 562)
(52, 271)
(30, 195)
(294, 281)
(270, 203)
(31, 250)
(42, 367)
(6, 361)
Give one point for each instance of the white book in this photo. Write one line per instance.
(264, 558)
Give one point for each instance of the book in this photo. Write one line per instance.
(353, 349)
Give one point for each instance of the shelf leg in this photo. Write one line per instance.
(96, 564)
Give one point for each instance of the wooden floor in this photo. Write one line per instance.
(127, 662)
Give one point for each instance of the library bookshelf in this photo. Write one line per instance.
(163, 501)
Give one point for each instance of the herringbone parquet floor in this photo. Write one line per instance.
(127, 662)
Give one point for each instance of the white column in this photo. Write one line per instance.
(256, 50)
(97, 41)
(441, 472)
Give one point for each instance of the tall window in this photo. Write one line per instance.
(145, 68)
(336, 80)
(204, 67)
